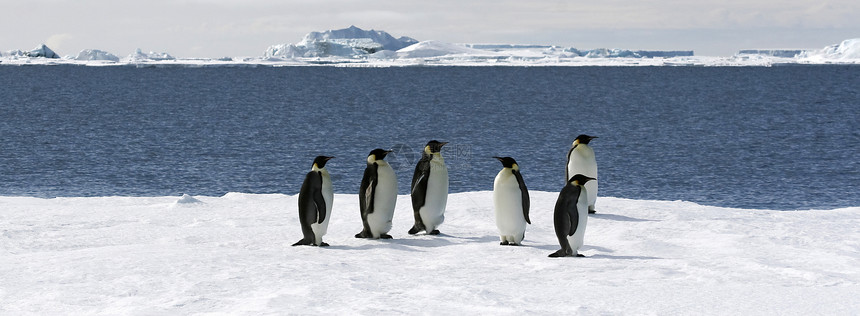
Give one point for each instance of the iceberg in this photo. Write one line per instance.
(138, 56)
(611, 53)
(847, 51)
(13, 53)
(351, 42)
(436, 48)
(95, 54)
(42, 51)
(787, 53)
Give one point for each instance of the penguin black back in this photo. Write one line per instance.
(312, 205)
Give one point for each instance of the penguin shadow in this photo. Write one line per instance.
(377, 244)
(604, 255)
(621, 218)
(482, 239)
(411, 243)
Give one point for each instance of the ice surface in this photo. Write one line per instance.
(232, 255)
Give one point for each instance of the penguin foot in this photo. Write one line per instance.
(434, 232)
(560, 253)
(580, 255)
(363, 234)
(323, 244)
(504, 243)
(385, 236)
(591, 211)
(414, 230)
(303, 243)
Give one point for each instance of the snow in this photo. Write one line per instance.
(232, 255)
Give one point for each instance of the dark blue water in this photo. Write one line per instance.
(776, 138)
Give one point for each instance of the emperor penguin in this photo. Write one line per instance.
(580, 159)
(315, 200)
(377, 196)
(429, 190)
(570, 216)
(511, 201)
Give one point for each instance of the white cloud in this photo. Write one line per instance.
(56, 41)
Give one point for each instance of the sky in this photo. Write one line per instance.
(234, 28)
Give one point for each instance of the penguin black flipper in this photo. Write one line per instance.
(311, 206)
(314, 202)
(365, 197)
(419, 191)
(525, 195)
(560, 223)
(572, 198)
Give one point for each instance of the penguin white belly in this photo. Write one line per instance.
(384, 201)
(582, 161)
(328, 196)
(433, 211)
(508, 202)
(578, 239)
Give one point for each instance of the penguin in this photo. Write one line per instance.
(511, 201)
(570, 216)
(580, 159)
(315, 200)
(377, 196)
(429, 190)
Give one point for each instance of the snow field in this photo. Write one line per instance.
(232, 255)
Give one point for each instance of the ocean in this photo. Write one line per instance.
(782, 138)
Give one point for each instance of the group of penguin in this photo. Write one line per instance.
(429, 191)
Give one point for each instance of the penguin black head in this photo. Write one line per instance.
(507, 162)
(378, 154)
(583, 139)
(434, 146)
(580, 179)
(320, 161)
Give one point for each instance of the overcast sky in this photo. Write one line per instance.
(219, 28)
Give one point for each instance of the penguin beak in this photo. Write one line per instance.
(499, 158)
(442, 144)
(328, 158)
